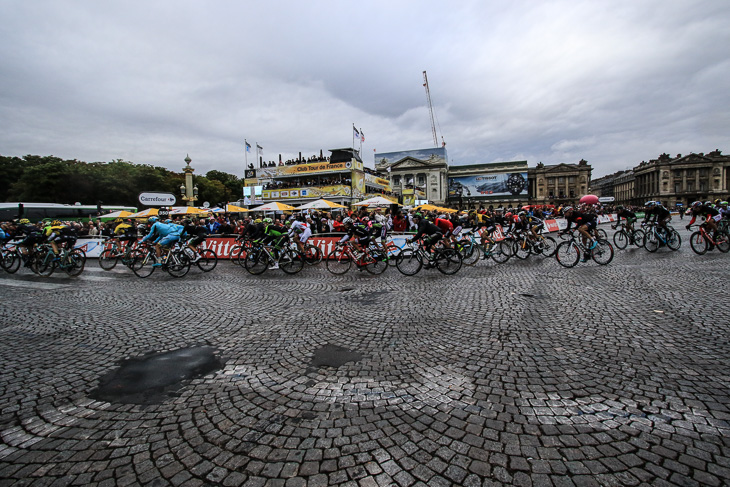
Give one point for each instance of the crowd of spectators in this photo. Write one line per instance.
(292, 162)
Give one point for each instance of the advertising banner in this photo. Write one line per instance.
(377, 182)
(308, 192)
(491, 184)
(306, 169)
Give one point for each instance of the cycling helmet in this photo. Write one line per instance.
(56, 223)
(718, 201)
(118, 220)
(152, 219)
(24, 221)
(567, 209)
(258, 220)
(649, 204)
(417, 215)
(268, 221)
(365, 219)
(347, 221)
(696, 204)
(168, 221)
(708, 203)
(522, 214)
(723, 203)
(288, 223)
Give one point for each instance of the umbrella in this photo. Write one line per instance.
(320, 205)
(427, 207)
(187, 210)
(274, 206)
(376, 201)
(115, 215)
(145, 213)
(235, 209)
(589, 199)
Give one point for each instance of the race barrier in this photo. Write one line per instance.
(93, 246)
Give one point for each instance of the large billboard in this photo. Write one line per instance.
(303, 169)
(488, 184)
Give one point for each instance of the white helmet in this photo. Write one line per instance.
(347, 221)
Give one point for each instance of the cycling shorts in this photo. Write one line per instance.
(591, 224)
(304, 236)
(168, 240)
(197, 240)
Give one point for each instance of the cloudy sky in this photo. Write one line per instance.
(613, 82)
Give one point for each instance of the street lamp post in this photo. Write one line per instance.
(189, 192)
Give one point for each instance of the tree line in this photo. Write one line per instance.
(49, 179)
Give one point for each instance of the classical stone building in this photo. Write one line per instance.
(683, 179)
(559, 184)
(671, 180)
(416, 175)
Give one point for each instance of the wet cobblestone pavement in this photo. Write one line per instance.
(522, 374)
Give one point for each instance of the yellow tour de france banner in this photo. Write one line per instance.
(313, 192)
(377, 182)
(304, 169)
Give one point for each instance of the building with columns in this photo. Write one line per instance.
(559, 184)
(416, 175)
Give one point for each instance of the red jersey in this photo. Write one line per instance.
(444, 225)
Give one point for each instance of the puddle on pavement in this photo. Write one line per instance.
(333, 356)
(152, 378)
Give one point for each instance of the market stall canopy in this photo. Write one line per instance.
(187, 210)
(321, 204)
(145, 213)
(115, 215)
(376, 201)
(235, 209)
(427, 207)
(274, 206)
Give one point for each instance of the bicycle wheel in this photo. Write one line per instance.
(545, 246)
(674, 241)
(143, 265)
(620, 239)
(73, 262)
(208, 260)
(602, 235)
(256, 261)
(472, 253)
(45, 262)
(602, 253)
(448, 261)
(290, 261)
(723, 242)
(108, 259)
(521, 249)
(651, 242)
(11, 261)
(409, 262)
(376, 264)
(234, 254)
(338, 261)
(567, 254)
(178, 263)
(698, 243)
(312, 254)
(499, 253)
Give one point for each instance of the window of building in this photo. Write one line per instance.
(703, 186)
(421, 180)
(571, 179)
(561, 180)
(396, 180)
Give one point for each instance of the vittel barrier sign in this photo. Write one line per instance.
(157, 199)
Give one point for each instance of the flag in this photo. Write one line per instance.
(259, 149)
(356, 134)
(248, 146)
(362, 136)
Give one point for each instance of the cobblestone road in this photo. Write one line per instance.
(524, 373)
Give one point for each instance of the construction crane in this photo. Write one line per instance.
(430, 111)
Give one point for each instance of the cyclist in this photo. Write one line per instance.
(32, 236)
(300, 232)
(630, 217)
(58, 233)
(531, 225)
(584, 222)
(358, 232)
(656, 212)
(425, 227)
(125, 232)
(162, 234)
(712, 216)
(197, 233)
(378, 230)
(274, 234)
(446, 228)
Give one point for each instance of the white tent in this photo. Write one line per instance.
(320, 205)
(376, 201)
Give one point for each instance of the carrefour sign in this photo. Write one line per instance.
(157, 199)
